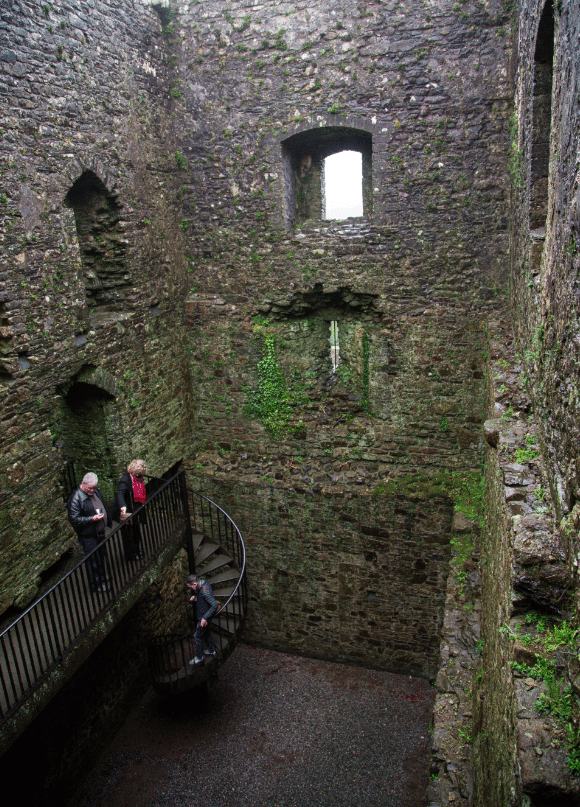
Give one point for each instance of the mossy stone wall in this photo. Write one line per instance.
(84, 97)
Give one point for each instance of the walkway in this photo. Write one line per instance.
(279, 731)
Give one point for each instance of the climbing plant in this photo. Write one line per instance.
(274, 400)
(366, 350)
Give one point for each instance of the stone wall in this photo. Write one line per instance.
(265, 95)
(546, 260)
(530, 559)
(356, 576)
(353, 478)
(93, 277)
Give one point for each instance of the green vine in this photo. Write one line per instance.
(366, 350)
(274, 401)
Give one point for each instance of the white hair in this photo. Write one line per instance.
(90, 479)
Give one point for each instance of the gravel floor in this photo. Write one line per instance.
(278, 731)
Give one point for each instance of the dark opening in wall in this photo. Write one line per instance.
(303, 159)
(88, 430)
(102, 243)
(541, 118)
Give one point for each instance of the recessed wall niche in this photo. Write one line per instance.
(323, 337)
(100, 230)
(88, 430)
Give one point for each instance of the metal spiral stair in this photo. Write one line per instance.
(219, 557)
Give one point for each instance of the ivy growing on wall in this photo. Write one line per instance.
(366, 351)
(274, 401)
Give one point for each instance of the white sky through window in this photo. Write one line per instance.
(343, 185)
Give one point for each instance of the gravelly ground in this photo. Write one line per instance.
(279, 731)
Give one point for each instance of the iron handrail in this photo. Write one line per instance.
(36, 641)
(240, 546)
(170, 638)
(169, 655)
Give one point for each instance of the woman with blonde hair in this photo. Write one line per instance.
(131, 497)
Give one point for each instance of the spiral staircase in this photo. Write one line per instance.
(217, 554)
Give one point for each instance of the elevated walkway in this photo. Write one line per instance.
(47, 643)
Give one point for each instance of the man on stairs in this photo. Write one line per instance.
(206, 607)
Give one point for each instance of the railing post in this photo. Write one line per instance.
(188, 533)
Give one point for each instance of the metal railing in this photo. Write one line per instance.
(38, 640)
(169, 655)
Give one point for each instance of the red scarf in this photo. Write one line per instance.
(139, 494)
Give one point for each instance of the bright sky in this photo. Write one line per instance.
(343, 183)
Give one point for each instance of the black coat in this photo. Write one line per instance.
(81, 511)
(124, 497)
(205, 603)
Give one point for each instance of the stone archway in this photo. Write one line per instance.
(89, 426)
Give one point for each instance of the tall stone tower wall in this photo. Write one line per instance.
(342, 478)
(171, 160)
(92, 362)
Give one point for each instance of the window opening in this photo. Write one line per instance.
(542, 118)
(342, 185)
(334, 346)
(309, 193)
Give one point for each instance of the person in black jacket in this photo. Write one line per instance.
(131, 497)
(205, 607)
(89, 516)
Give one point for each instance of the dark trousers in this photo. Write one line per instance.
(131, 534)
(202, 635)
(96, 563)
(131, 539)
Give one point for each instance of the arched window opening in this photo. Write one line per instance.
(102, 243)
(342, 185)
(309, 192)
(541, 118)
(334, 345)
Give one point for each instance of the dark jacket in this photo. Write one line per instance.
(205, 603)
(124, 497)
(81, 511)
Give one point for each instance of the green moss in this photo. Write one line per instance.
(181, 161)
(465, 489)
(366, 349)
(416, 486)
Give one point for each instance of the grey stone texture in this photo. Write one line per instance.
(165, 259)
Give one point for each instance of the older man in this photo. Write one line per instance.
(88, 515)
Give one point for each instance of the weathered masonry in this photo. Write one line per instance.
(173, 289)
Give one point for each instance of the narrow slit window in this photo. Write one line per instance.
(334, 347)
(542, 118)
(342, 185)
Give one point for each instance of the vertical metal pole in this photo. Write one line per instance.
(188, 533)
